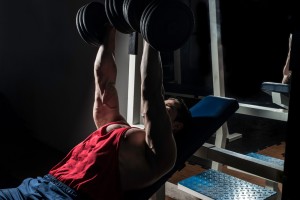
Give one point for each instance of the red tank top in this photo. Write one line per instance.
(92, 166)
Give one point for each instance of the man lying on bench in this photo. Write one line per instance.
(116, 157)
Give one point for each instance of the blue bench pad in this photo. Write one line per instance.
(269, 87)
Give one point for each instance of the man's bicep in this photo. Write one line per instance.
(157, 122)
(106, 105)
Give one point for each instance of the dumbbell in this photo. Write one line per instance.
(132, 12)
(90, 22)
(164, 24)
(114, 12)
(92, 18)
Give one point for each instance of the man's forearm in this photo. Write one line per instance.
(151, 72)
(106, 105)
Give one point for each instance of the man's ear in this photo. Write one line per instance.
(177, 126)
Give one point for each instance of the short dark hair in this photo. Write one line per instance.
(183, 113)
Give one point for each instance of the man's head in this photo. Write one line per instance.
(179, 113)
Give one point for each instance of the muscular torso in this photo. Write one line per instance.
(134, 155)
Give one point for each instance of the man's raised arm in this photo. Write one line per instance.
(159, 136)
(106, 104)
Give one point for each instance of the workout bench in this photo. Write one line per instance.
(280, 93)
(208, 115)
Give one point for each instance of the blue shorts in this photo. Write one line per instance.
(45, 188)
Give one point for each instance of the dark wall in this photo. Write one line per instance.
(195, 54)
(195, 62)
(46, 78)
(254, 36)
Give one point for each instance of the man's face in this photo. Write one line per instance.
(172, 105)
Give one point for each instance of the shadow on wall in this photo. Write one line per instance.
(255, 38)
(13, 129)
(21, 155)
(12, 134)
(46, 69)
